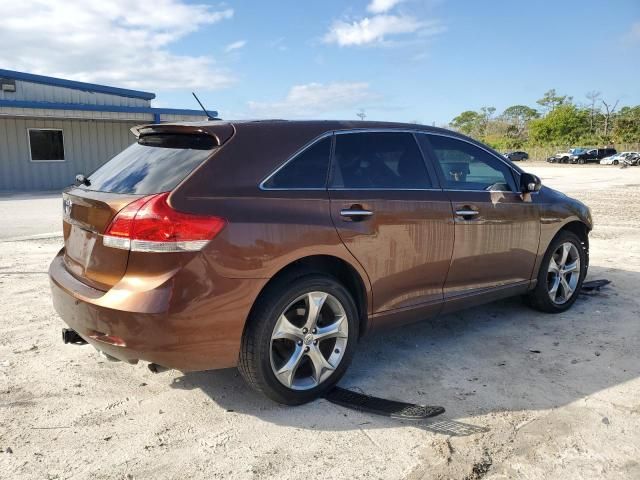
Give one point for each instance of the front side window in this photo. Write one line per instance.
(464, 166)
(372, 160)
(46, 145)
(306, 170)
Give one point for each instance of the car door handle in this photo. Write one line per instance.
(467, 213)
(356, 213)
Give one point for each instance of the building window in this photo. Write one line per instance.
(46, 145)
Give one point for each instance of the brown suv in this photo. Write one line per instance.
(274, 245)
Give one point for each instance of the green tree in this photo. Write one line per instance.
(551, 100)
(517, 117)
(627, 125)
(564, 125)
(469, 122)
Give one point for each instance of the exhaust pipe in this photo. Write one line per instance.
(69, 335)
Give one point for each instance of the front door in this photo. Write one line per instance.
(392, 218)
(496, 229)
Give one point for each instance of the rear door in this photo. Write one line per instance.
(392, 216)
(157, 163)
(496, 229)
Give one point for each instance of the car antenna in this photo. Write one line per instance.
(210, 116)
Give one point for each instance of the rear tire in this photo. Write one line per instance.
(615, 162)
(286, 354)
(561, 274)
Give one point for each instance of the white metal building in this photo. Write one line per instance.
(51, 129)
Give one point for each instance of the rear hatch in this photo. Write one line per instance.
(160, 160)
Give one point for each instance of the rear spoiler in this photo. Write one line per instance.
(220, 132)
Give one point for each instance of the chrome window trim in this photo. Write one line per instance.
(300, 151)
(370, 189)
(426, 132)
(319, 138)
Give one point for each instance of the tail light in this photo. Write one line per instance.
(149, 224)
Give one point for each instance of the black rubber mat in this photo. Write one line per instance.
(596, 285)
(381, 406)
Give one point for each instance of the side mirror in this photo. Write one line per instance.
(530, 183)
(82, 180)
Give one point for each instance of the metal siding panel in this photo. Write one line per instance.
(75, 114)
(29, 91)
(88, 144)
(20, 155)
(6, 162)
(15, 181)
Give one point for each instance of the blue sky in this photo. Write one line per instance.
(407, 60)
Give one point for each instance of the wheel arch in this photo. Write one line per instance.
(573, 225)
(581, 230)
(331, 265)
(578, 228)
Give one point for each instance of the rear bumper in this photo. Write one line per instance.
(188, 321)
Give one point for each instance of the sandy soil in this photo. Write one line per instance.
(527, 395)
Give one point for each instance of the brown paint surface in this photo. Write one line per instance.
(414, 256)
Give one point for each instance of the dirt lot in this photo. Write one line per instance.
(527, 395)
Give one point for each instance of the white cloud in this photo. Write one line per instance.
(634, 32)
(370, 30)
(279, 44)
(313, 99)
(117, 42)
(235, 46)
(381, 6)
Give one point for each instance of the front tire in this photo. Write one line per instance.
(561, 274)
(299, 339)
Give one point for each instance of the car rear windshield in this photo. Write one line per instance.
(156, 163)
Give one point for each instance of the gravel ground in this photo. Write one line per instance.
(527, 395)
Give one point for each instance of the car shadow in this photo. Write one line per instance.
(499, 357)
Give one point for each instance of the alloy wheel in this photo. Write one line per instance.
(309, 340)
(563, 273)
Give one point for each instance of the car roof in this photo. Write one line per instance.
(321, 124)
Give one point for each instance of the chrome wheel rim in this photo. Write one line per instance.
(309, 340)
(563, 273)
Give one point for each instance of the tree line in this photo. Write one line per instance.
(556, 121)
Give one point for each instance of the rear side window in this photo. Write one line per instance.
(308, 169)
(385, 160)
(157, 163)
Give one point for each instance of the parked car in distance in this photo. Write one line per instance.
(517, 156)
(273, 246)
(565, 157)
(592, 156)
(632, 159)
(620, 158)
